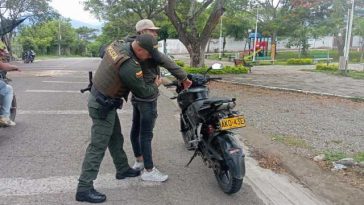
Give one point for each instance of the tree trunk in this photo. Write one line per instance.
(273, 42)
(197, 55)
(186, 27)
(340, 41)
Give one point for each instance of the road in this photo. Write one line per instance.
(40, 158)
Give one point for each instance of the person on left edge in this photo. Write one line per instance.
(7, 92)
(118, 73)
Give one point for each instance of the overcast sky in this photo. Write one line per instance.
(74, 9)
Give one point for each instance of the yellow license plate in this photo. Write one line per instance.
(232, 122)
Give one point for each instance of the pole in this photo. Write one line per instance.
(350, 27)
(59, 37)
(255, 37)
(220, 39)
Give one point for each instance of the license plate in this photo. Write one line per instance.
(232, 122)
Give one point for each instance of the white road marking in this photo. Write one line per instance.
(52, 185)
(63, 112)
(66, 82)
(53, 91)
(52, 112)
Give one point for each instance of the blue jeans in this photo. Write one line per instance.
(6, 92)
(144, 117)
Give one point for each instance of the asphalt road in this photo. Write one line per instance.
(40, 158)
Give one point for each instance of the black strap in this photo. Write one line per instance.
(106, 101)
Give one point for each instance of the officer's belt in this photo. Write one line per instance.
(106, 101)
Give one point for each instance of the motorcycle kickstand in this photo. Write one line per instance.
(193, 156)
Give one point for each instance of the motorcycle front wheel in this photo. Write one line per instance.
(226, 181)
(13, 109)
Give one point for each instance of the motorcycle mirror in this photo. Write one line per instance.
(217, 66)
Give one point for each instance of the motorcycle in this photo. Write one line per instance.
(28, 57)
(206, 126)
(13, 102)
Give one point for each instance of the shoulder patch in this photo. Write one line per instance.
(111, 51)
(139, 74)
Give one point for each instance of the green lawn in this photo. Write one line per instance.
(283, 56)
(351, 73)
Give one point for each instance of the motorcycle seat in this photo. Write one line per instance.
(214, 102)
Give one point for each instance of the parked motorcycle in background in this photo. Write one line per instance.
(28, 56)
(206, 125)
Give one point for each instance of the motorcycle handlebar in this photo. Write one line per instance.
(215, 78)
(172, 84)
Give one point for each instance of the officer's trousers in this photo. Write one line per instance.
(105, 133)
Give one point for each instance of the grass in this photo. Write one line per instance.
(354, 56)
(355, 74)
(352, 73)
(334, 155)
(291, 141)
(359, 157)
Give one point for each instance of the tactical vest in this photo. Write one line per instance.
(106, 79)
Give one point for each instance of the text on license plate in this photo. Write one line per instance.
(233, 122)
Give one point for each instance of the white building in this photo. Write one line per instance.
(174, 46)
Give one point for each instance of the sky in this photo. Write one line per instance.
(74, 9)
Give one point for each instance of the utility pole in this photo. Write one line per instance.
(255, 36)
(220, 40)
(59, 37)
(349, 26)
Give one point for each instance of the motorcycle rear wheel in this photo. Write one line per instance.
(13, 109)
(227, 183)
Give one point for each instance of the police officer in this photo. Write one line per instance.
(145, 108)
(118, 73)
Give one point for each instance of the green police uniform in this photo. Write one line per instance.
(119, 73)
(151, 67)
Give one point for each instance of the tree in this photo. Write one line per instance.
(359, 30)
(44, 37)
(85, 35)
(185, 17)
(36, 10)
(122, 15)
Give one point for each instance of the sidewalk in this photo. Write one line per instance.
(299, 79)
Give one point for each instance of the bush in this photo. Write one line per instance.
(226, 70)
(235, 69)
(194, 70)
(330, 67)
(180, 63)
(299, 61)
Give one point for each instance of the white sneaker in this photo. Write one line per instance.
(5, 121)
(138, 165)
(154, 175)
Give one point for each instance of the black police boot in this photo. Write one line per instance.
(128, 173)
(91, 196)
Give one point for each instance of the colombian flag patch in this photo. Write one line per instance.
(139, 74)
